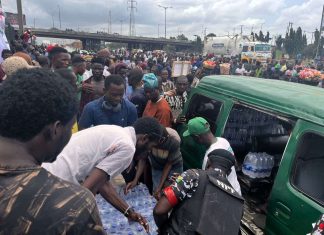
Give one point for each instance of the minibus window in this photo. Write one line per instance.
(308, 173)
(258, 139)
(202, 106)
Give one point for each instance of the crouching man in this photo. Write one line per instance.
(202, 201)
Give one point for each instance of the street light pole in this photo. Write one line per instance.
(20, 17)
(165, 9)
(59, 9)
(121, 27)
(53, 21)
(158, 30)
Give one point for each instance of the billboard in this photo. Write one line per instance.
(12, 18)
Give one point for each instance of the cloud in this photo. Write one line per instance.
(186, 16)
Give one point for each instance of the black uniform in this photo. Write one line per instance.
(208, 204)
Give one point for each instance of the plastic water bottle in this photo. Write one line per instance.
(270, 165)
(258, 165)
(264, 165)
(113, 228)
(247, 165)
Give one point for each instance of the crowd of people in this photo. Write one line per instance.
(123, 108)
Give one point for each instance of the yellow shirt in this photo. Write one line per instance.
(75, 128)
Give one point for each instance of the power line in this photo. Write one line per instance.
(132, 5)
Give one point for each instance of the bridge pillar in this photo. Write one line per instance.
(131, 46)
(91, 44)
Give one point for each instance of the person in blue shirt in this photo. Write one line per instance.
(111, 109)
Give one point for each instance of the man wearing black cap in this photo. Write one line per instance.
(202, 202)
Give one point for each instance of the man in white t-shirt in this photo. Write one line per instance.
(199, 129)
(240, 70)
(95, 155)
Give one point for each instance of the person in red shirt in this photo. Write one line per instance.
(156, 106)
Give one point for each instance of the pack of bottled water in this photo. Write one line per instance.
(258, 165)
(115, 222)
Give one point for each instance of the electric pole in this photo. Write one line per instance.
(53, 20)
(241, 29)
(320, 34)
(289, 27)
(165, 9)
(59, 12)
(121, 27)
(20, 17)
(158, 30)
(132, 5)
(110, 29)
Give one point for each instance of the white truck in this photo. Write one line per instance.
(226, 45)
(256, 51)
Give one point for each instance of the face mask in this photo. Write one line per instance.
(107, 106)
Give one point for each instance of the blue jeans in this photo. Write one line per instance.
(157, 174)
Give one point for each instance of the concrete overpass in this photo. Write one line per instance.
(93, 40)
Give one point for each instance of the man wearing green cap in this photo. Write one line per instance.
(156, 106)
(199, 130)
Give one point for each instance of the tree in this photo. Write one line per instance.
(261, 36)
(182, 37)
(287, 43)
(173, 38)
(210, 35)
(170, 49)
(279, 42)
(298, 41)
(309, 51)
(198, 45)
(267, 37)
(253, 38)
(304, 41)
(316, 36)
(290, 42)
(256, 37)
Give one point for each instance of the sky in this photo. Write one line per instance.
(190, 17)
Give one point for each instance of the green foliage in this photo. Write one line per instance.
(267, 37)
(260, 37)
(296, 43)
(279, 42)
(198, 44)
(170, 49)
(182, 37)
(210, 35)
